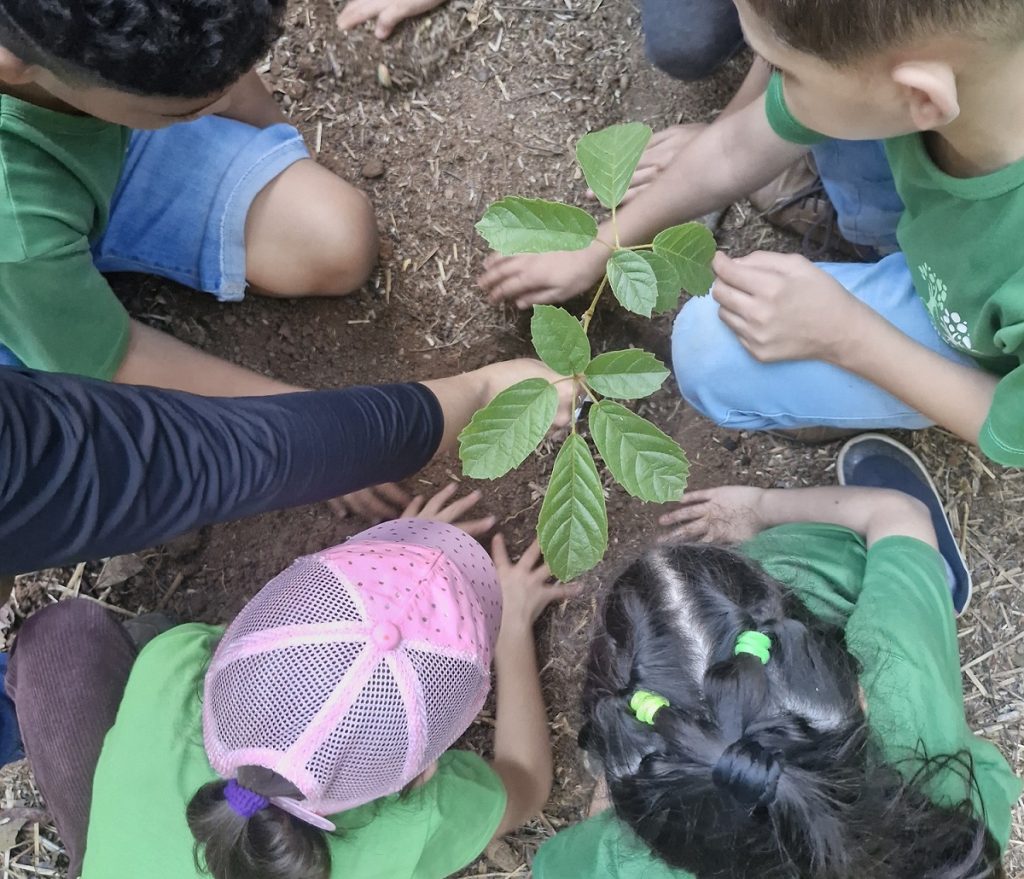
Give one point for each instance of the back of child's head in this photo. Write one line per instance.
(344, 679)
(169, 48)
(841, 31)
(747, 752)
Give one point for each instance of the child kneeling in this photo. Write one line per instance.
(791, 709)
(311, 738)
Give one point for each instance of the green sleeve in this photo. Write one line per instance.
(1002, 434)
(600, 848)
(903, 633)
(784, 123)
(58, 314)
(471, 802)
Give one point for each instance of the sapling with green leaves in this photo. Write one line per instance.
(645, 279)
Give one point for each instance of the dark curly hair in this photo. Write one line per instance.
(169, 48)
(757, 770)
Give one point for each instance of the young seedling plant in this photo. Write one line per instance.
(646, 462)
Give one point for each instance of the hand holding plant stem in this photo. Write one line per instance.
(573, 522)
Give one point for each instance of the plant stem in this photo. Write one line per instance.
(639, 247)
(615, 229)
(589, 313)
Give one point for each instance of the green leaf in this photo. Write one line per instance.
(689, 248)
(645, 461)
(501, 435)
(532, 225)
(573, 522)
(633, 282)
(559, 339)
(609, 157)
(669, 286)
(626, 375)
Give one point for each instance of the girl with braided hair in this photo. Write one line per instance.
(789, 708)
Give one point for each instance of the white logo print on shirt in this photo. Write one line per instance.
(950, 324)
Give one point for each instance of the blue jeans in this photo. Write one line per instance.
(180, 207)
(720, 379)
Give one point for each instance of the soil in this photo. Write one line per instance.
(487, 100)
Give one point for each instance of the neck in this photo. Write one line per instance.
(989, 132)
(31, 93)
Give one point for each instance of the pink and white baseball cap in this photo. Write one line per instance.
(350, 672)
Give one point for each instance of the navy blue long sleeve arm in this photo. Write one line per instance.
(89, 469)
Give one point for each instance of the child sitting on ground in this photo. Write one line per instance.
(852, 346)
(318, 745)
(790, 708)
(105, 166)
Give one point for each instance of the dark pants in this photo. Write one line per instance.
(67, 675)
(688, 39)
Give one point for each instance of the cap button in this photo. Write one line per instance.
(387, 636)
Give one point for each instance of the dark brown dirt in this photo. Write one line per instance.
(487, 100)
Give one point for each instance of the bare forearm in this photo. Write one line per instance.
(460, 396)
(873, 513)
(955, 396)
(522, 746)
(156, 359)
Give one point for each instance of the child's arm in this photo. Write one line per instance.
(733, 156)
(522, 746)
(159, 360)
(783, 307)
(735, 513)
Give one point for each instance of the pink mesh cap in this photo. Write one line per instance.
(354, 669)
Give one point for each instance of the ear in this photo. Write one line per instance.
(931, 92)
(13, 70)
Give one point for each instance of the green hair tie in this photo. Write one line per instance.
(645, 705)
(756, 644)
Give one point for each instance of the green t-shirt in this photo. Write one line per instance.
(57, 176)
(153, 761)
(974, 293)
(893, 601)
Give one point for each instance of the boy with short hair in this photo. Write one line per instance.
(934, 334)
(105, 165)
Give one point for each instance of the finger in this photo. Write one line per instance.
(338, 506)
(394, 493)
(735, 322)
(497, 272)
(437, 503)
(512, 287)
(476, 527)
(459, 507)
(356, 12)
(543, 297)
(643, 175)
(694, 532)
(684, 514)
(531, 555)
(495, 259)
(414, 508)
(499, 551)
(368, 505)
(562, 591)
(387, 20)
(743, 275)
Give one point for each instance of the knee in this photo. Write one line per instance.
(345, 243)
(702, 358)
(691, 53)
(66, 622)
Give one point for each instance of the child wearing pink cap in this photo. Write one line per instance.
(311, 738)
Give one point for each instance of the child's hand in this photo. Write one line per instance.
(783, 307)
(538, 278)
(375, 504)
(501, 376)
(730, 514)
(526, 586)
(387, 12)
(662, 150)
(441, 508)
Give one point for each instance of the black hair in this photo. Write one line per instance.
(757, 770)
(170, 48)
(272, 844)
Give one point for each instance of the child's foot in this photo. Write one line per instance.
(873, 460)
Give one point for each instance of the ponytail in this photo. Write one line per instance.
(271, 844)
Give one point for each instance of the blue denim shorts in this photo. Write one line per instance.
(180, 207)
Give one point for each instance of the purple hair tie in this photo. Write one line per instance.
(244, 801)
